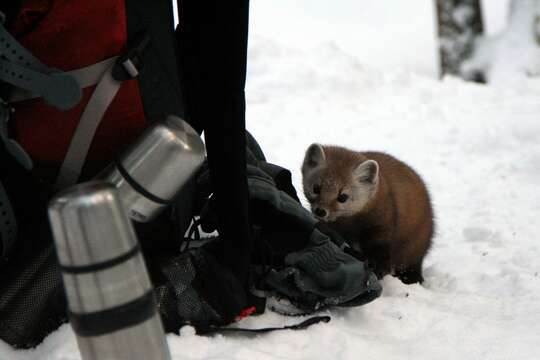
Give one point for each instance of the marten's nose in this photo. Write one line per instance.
(320, 212)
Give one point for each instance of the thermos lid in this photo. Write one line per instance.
(90, 224)
(165, 157)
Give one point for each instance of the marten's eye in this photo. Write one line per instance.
(342, 198)
(317, 189)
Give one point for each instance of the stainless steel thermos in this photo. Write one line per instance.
(111, 303)
(153, 169)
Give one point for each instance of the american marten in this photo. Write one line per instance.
(376, 202)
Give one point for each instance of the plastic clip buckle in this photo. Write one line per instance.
(128, 64)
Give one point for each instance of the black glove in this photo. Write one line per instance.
(322, 275)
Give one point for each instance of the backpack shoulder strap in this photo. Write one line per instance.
(159, 81)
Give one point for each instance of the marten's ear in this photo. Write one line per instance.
(314, 158)
(368, 171)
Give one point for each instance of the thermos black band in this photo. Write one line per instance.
(138, 188)
(116, 318)
(82, 269)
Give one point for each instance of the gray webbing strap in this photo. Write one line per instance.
(58, 89)
(84, 134)
(20, 68)
(15, 52)
(85, 77)
(124, 68)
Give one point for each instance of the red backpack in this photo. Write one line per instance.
(78, 37)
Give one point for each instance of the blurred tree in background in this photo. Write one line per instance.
(459, 24)
(467, 53)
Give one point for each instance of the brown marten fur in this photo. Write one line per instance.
(376, 202)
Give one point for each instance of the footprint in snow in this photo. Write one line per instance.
(479, 234)
(438, 280)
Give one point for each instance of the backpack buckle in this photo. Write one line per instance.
(128, 64)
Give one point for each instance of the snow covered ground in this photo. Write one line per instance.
(478, 149)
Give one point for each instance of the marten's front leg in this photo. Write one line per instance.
(379, 257)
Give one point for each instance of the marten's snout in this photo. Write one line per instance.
(320, 212)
